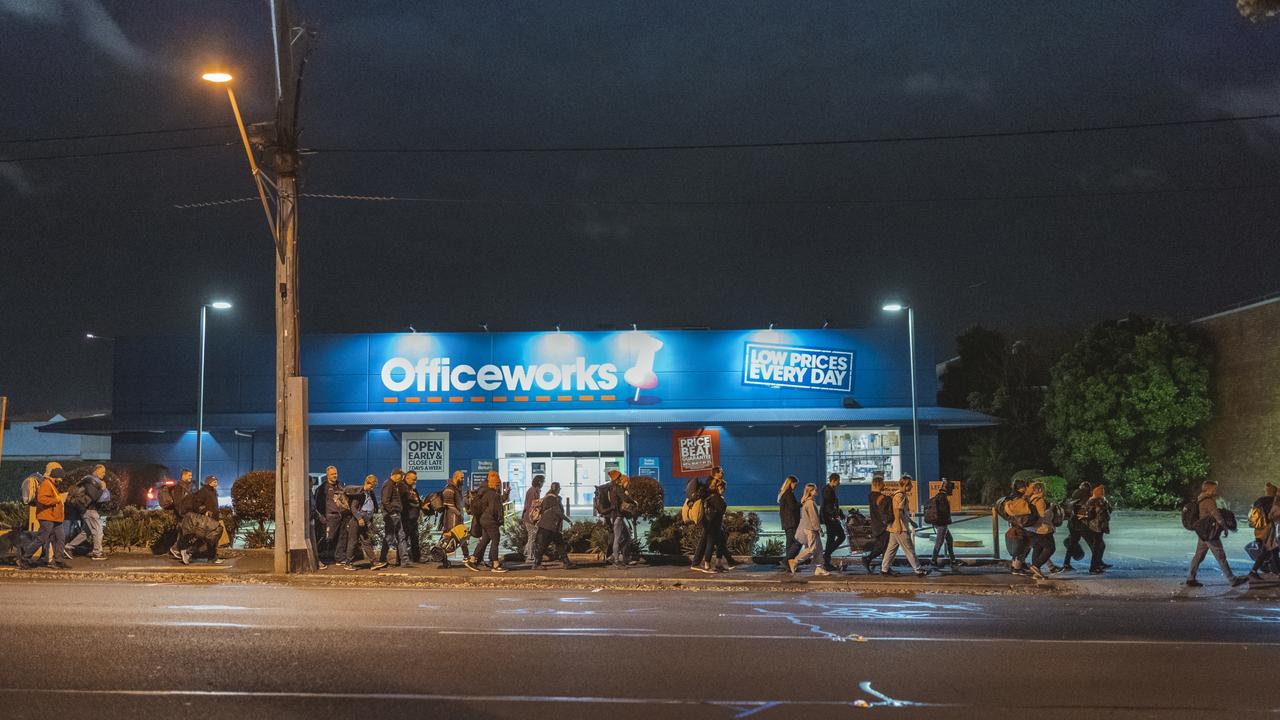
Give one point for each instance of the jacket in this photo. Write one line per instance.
(49, 502)
(392, 498)
(901, 521)
(879, 512)
(830, 504)
(808, 518)
(1077, 507)
(942, 505)
(1043, 527)
(1208, 506)
(617, 496)
(490, 508)
(358, 500)
(452, 513)
(552, 516)
(789, 510)
(530, 500)
(412, 510)
(181, 499)
(205, 501)
(1098, 515)
(94, 487)
(324, 500)
(713, 509)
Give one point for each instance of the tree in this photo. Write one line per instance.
(1126, 407)
(647, 492)
(253, 496)
(1258, 10)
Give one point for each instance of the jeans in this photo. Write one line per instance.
(531, 544)
(943, 542)
(1096, 547)
(899, 540)
(392, 531)
(811, 541)
(488, 539)
(1202, 547)
(878, 545)
(793, 546)
(1042, 548)
(835, 538)
(358, 534)
(621, 540)
(51, 534)
(92, 531)
(329, 545)
(713, 543)
(543, 539)
(413, 537)
(1019, 546)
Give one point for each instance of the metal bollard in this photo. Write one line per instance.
(995, 533)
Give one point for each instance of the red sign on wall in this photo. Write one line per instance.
(694, 452)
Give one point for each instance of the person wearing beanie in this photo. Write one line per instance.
(1211, 528)
(50, 513)
(1264, 534)
(1096, 522)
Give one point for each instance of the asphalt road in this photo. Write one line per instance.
(247, 651)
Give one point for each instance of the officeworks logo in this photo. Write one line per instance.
(797, 367)
(439, 374)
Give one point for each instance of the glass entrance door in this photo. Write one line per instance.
(576, 458)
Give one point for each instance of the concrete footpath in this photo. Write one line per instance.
(1126, 579)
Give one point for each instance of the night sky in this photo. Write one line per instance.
(97, 244)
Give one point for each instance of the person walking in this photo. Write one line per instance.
(50, 514)
(364, 505)
(550, 521)
(832, 519)
(713, 512)
(180, 502)
(488, 520)
(789, 514)
(393, 498)
(942, 540)
(1264, 534)
(900, 530)
(1211, 527)
(203, 502)
(411, 516)
(808, 532)
(1042, 543)
(880, 516)
(621, 509)
(526, 516)
(452, 514)
(1075, 512)
(332, 506)
(1097, 522)
(94, 487)
(1015, 509)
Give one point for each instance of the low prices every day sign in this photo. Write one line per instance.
(694, 452)
(427, 453)
(797, 367)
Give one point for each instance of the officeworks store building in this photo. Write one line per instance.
(567, 405)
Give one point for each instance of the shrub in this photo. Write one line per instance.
(135, 527)
(741, 532)
(515, 535)
(663, 536)
(1055, 486)
(13, 515)
(773, 547)
(253, 496)
(259, 537)
(690, 538)
(647, 492)
(587, 536)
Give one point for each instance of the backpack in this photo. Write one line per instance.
(1098, 518)
(1055, 514)
(78, 497)
(600, 503)
(472, 502)
(1019, 512)
(535, 513)
(691, 511)
(932, 512)
(1190, 514)
(30, 488)
(1257, 518)
(433, 503)
(628, 507)
(166, 497)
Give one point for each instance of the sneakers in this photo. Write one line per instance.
(730, 566)
(791, 566)
(174, 552)
(1035, 573)
(866, 564)
(922, 572)
(1096, 571)
(1194, 583)
(66, 553)
(98, 556)
(1254, 576)
(185, 557)
(471, 565)
(63, 566)
(1064, 568)
(348, 566)
(218, 561)
(703, 568)
(377, 566)
(497, 567)
(821, 571)
(322, 565)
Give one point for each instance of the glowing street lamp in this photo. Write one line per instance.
(204, 311)
(915, 422)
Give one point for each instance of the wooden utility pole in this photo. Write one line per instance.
(4, 410)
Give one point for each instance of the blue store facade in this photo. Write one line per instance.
(569, 405)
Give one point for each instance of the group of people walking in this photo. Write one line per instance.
(60, 506)
(1034, 520)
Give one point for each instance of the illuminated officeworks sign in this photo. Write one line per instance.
(591, 370)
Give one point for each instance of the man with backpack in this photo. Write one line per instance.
(392, 514)
(1076, 531)
(832, 519)
(527, 516)
(50, 514)
(880, 516)
(178, 500)
(451, 514)
(1263, 548)
(486, 517)
(1210, 526)
(550, 518)
(620, 511)
(1016, 510)
(93, 487)
(1042, 543)
(900, 530)
(1097, 522)
(333, 508)
(938, 514)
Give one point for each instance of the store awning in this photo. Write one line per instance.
(930, 416)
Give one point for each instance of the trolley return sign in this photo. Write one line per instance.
(797, 367)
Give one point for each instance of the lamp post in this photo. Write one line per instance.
(915, 419)
(204, 312)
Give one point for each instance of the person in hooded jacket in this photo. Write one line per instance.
(203, 502)
(393, 501)
(486, 525)
(50, 513)
(1042, 543)
(880, 514)
(1076, 530)
(452, 514)
(789, 514)
(550, 521)
(1211, 528)
(1097, 523)
(942, 540)
(411, 516)
(809, 532)
(900, 530)
(713, 512)
(832, 518)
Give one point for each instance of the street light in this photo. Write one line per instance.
(915, 421)
(204, 311)
(223, 78)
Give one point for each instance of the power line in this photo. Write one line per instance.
(99, 136)
(890, 139)
(761, 202)
(109, 153)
